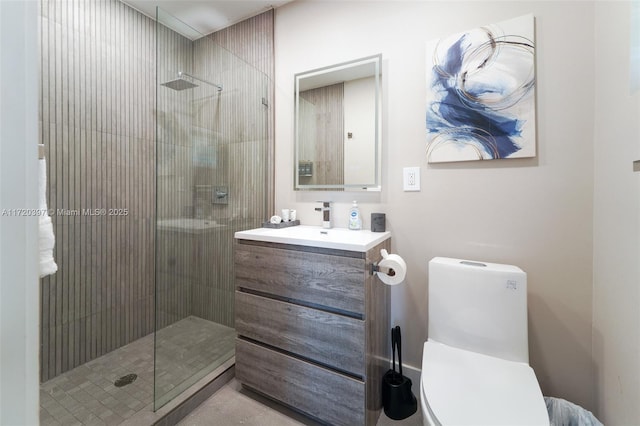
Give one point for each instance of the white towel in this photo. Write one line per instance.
(45, 226)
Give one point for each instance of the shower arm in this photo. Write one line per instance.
(219, 86)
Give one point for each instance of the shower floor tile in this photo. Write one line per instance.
(87, 395)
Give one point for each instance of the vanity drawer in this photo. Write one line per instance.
(323, 337)
(317, 391)
(334, 281)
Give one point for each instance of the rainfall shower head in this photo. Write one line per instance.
(181, 83)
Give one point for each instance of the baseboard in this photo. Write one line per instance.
(411, 372)
(414, 373)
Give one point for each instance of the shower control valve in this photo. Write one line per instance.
(220, 195)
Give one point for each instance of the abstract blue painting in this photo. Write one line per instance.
(481, 93)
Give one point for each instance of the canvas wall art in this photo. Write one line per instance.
(481, 93)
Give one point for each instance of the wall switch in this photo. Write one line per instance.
(411, 178)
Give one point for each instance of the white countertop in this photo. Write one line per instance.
(317, 236)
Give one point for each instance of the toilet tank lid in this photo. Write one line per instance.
(468, 388)
(474, 263)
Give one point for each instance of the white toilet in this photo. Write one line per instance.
(475, 364)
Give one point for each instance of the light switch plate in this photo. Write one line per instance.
(411, 178)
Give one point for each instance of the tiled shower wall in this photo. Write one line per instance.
(175, 250)
(207, 139)
(97, 123)
(239, 122)
(252, 41)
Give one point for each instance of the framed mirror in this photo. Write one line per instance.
(337, 127)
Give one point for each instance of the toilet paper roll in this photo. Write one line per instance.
(391, 262)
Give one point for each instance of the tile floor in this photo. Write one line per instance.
(234, 405)
(87, 395)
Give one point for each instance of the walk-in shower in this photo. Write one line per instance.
(138, 127)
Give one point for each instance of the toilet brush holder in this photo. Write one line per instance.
(398, 400)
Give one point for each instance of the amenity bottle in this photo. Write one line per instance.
(355, 221)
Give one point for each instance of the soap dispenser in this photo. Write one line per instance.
(355, 221)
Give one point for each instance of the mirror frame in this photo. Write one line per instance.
(367, 186)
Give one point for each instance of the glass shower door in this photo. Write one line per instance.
(211, 177)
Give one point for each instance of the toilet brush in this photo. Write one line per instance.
(399, 343)
(393, 349)
(397, 399)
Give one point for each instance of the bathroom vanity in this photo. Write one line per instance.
(312, 321)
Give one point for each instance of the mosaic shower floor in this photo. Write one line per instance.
(87, 395)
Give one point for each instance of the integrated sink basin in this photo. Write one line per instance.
(316, 236)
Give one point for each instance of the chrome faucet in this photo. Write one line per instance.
(326, 213)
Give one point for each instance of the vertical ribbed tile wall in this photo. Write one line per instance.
(252, 40)
(206, 139)
(238, 122)
(97, 122)
(323, 143)
(175, 246)
(232, 126)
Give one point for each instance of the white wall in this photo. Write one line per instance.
(616, 293)
(19, 306)
(534, 213)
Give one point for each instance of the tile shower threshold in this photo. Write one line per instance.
(184, 403)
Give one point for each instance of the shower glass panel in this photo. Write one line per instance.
(211, 177)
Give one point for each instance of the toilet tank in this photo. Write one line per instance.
(479, 306)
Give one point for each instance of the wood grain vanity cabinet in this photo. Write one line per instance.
(313, 328)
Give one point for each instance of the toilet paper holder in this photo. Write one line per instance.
(391, 269)
(374, 267)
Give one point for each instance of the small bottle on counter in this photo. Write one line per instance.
(355, 221)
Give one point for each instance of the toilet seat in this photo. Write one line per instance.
(460, 387)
